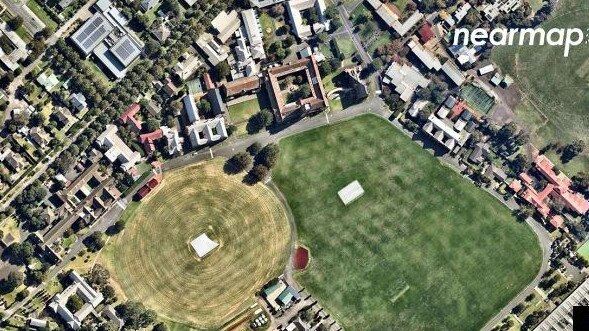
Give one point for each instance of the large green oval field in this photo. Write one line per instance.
(423, 249)
(152, 260)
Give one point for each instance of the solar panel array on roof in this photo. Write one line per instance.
(92, 33)
(125, 50)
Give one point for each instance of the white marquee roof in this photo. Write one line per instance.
(203, 245)
(351, 192)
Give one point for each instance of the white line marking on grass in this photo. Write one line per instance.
(398, 296)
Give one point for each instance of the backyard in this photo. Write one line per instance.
(421, 249)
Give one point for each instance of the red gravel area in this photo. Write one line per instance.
(301, 258)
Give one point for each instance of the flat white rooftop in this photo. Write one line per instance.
(351, 192)
(203, 245)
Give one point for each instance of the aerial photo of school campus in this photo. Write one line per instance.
(294, 165)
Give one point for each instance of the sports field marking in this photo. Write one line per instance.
(398, 296)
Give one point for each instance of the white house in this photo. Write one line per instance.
(117, 149)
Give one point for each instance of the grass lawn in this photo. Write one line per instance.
(242, 111)
(557, 87)
(584, 250)
(384, 38)
(536, 5)
(401, 4)
(40, 12)
(346, 46)
(269, 26)
(153, 262)
(422, 249)
(24, 34)
(99, 74)
(10, 227)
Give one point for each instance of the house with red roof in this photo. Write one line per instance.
(128, 117)
(558, 189)
(557, 221)
(148, 140)
(562, 186)
(154, 182)
(209, 85)
(426, 33)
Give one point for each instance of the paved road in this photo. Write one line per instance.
(229, 148)
(40, 169)
(83, 14)
(30, 20)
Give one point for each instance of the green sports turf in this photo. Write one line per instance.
(423, 249)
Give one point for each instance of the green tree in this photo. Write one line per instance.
(135, 315)
(322, 37)
(161, 326)
(254, 148)
(258, 173)
(268, 156)
(259, 121)
(74, 303)
(98, 275)
(11, 282)
(95, 241)
(152, 124)
(20, 296)
(20, 253)
(572, 150)
(238, 163)
(109, 293)
(222, 69)
(15, 22)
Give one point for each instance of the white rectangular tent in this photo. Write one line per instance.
(351, 192)
(203, 245)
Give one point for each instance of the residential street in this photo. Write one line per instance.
(106, 220)
(347, 25)
(372, 105)
(40, 169)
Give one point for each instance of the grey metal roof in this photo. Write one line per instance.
(92, 33)
(126, 50)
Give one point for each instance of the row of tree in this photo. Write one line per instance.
(263, 159)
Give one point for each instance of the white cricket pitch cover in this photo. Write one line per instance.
(351, 192)
(203, 245)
